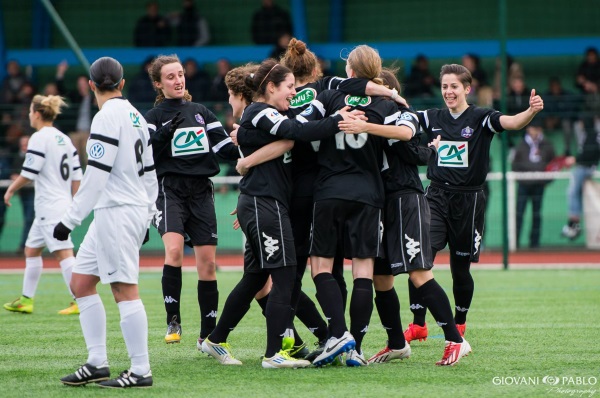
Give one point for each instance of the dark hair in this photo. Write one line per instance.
(154, 72)
(268, 71)
(460, 71)
(235, 80)
(388, 75)
(106, 73)
(301, 61)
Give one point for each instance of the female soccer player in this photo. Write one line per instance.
(53, 164)
(406, 236)
(263, 213)
(120, 186)
(457, 174)
(186, 136)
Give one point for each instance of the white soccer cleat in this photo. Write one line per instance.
(221, 352)
(454, 352)
(388, 354)
(334, 347)
(283, 360)
(355, 358)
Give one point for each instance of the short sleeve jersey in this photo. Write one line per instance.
(464, 150)
(119, 155)
(273, 178)
(52, 163)
(350, 164)
(197, 139)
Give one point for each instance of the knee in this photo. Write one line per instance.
(383, 283)
(207, 270)
(174, 255)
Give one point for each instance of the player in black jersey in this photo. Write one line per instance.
(263, 211)
(186, 136)
(457, 175)
(406, 235)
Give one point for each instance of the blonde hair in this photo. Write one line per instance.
(48, 106)
(366, 63)
(301, 61)
(154, 71)
(235, 80)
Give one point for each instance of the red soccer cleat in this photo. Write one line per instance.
(454, 352)
(462, 327)
(415, 332)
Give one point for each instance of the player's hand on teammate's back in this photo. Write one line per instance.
(146, 237)
(61, 232)
(175, 122)
(234, 133)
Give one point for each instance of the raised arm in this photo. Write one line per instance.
(520, 120)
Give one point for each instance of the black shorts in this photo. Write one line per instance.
(186, 205)
(301, 210)
(355, 226)
(406, 239)
(266, 224)
(457, 219)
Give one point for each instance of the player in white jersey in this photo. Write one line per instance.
(120, 185)
(52, 163)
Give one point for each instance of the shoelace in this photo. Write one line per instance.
(286, 354)
(227, 346)
(447, 350)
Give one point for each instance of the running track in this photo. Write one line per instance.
(492, 260)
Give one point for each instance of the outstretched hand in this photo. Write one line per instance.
(536, 104)
(175, 122)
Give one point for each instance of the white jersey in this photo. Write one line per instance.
(120, 164)
(53, 164)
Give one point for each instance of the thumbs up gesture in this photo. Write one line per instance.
(536, 104)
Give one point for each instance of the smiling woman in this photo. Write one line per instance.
(186, 136)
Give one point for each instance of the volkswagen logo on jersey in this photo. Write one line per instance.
(29, 159)
(96, 151)
(467, 132)
(199, 118)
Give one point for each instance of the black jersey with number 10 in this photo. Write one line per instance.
(464, 150)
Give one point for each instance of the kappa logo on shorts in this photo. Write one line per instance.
(380, 231)
(158, 217)
(477, 241)
(412, 247)
(270, 245)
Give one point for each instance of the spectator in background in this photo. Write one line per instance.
(141, 92)
(269, 23)
(473, 63)
(513, 69)
(518, 95)
(584, 164)
(218, 88)
(12, 83)
(191, 28)
(281, 46)
(421, 82)
(588, 74)
(197, 81)
(152, 30)
(26, 193)
(533, 153)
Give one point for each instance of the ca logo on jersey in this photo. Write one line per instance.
(304, 97)
(189, 142)
(60, 140)
(453, 154)
(355, 100)
(135, 119)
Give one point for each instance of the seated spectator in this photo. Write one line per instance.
(269, 22)
(152, 30)
(421, 82)
(197, 81)
(588, 73)
(533, 153)
(141, 92)
(191, 28)
(518, 95)
(513, 69)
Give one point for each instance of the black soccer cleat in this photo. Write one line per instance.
(87, 374)
(128, 380)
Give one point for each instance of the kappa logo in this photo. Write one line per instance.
(461, 309)
(304, 97)
(365, 329)
(453, 154)
(477, 241)
(416, 307)
(270, 245)
(442, 324)
(158, 217)
(381, 231)
(312, 330)
(189, 142)
(212, 314)
(412, 247)
(170, 300)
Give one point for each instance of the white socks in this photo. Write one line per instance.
(31, 278)
(66, 267)
(134, 325)
(92, 317)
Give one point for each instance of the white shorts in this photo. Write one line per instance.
(111, 247)
(41, 236)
